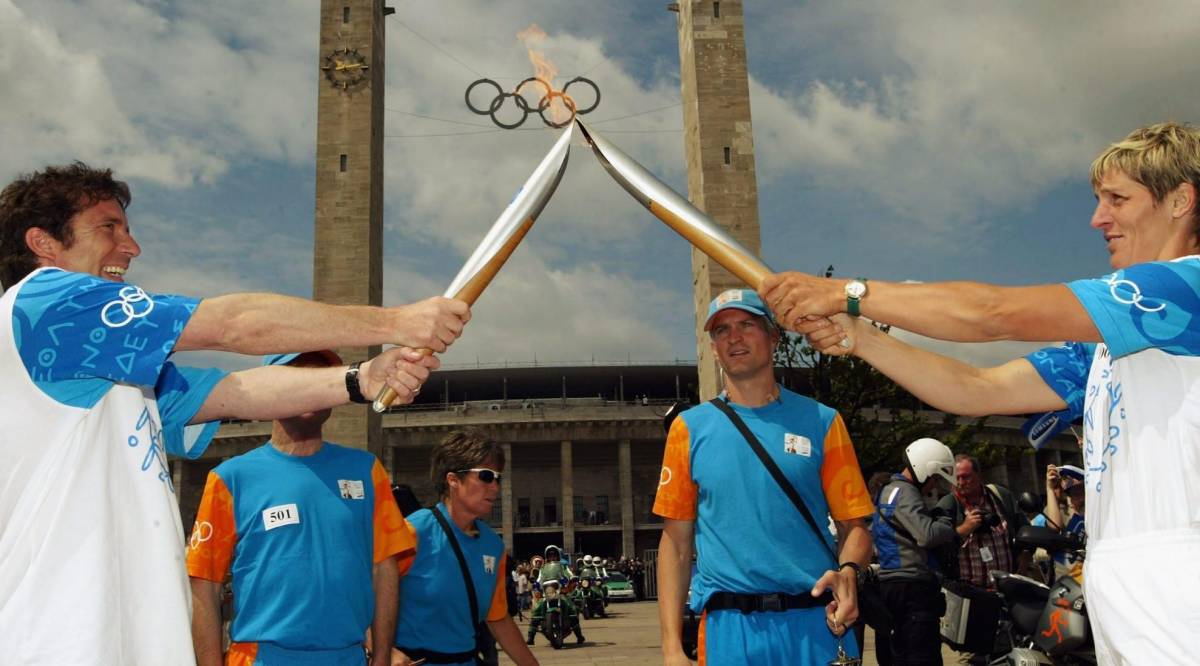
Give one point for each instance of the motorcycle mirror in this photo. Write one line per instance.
(1028, 503)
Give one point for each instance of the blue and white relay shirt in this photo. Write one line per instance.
(1139, 395)
(91, 546)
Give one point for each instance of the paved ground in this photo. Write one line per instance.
(629, 636)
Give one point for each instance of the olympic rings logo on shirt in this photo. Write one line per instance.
(134, 304)
(202, 531)
(664, 477)
(1136, 294)
(549, 95)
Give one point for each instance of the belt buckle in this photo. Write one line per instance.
(772, 602)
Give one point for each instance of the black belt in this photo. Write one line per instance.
(432, 657)
(757, 603)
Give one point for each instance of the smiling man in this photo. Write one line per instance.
(91, 546)
(763, 569)
(1132, 373)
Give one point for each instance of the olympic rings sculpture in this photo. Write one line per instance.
(549, 94)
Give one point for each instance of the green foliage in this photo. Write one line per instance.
(882, 417)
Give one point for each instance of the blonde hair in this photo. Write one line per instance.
(1160, 157)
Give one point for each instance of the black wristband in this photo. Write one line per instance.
(352, 387)
(852, 565)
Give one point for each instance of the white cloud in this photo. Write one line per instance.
(975, 106)
(169, 94)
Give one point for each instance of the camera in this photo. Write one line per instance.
(988, 520)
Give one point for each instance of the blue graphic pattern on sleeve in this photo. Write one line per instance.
(1146, 306)
(1065, 370)
(181, 392)
(72, 329)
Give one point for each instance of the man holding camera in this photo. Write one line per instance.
(986, 518)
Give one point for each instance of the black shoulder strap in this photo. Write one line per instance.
(462, 563)
(776, 473)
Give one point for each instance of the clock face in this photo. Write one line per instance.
(345, 68)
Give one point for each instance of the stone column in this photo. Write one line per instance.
(625, 469)
(506, 498)
(348, 241)
(719, 147)
(567, 506)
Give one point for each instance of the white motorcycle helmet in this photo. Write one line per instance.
(587, 560)
(926, 457)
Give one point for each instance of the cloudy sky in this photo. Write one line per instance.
(898, 141)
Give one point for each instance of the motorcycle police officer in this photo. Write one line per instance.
(906, 536)
(552, 572)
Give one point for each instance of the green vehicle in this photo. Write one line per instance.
(619, 588)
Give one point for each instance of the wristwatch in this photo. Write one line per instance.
(856, 290)
(352, 388)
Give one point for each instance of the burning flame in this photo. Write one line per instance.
(532, 37)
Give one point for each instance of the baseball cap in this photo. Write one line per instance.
(737, 299)
(328, 355)
(1071, 475)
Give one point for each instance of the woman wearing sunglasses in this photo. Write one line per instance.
(435, 624)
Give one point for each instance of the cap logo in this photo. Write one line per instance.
(729, 296)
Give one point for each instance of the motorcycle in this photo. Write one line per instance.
(1044, 624)
(557, 623)
(591, 599)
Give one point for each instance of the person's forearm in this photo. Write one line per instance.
(386, 581)
(268, 323)
(1053, 512)
(508, 635)
(956, 311)
(855, 544)
(274, 392)
(952, 386)
(963, 311)
(206, 622)
(674, 575)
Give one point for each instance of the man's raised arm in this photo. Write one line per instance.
(270, 323)
(273, 392)
(940, 381)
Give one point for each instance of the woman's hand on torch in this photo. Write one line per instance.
(434, 323)
(792, 296)
(835, 335)
(402, 369)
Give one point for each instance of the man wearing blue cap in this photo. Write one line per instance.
(764, 570)
(311, 534)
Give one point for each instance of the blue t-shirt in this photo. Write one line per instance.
(434, 609)
(750, 538)
(302, 563)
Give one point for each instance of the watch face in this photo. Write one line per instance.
(345, 68)
(856, 289)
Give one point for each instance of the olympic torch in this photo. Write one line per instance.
(677, 212)
(504, 236)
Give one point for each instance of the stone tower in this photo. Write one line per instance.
(719, 148)
(348, 244)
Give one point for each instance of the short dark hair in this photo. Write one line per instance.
(973, 460)
(48, 199)
(461, 449)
